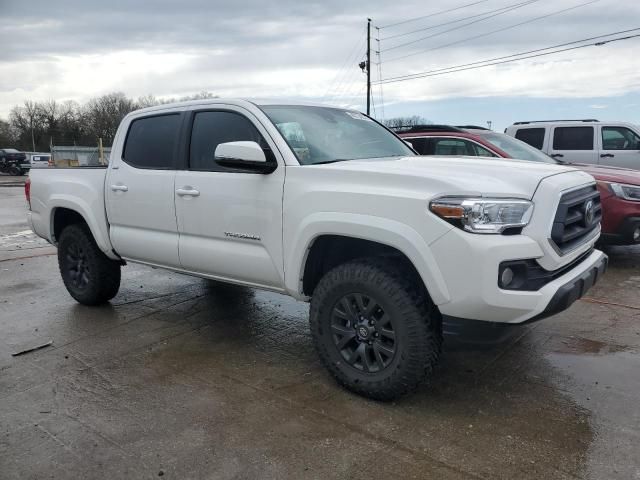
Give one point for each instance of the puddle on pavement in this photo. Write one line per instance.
(578, 345)
(604, 380)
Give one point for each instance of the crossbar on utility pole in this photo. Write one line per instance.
(368, 66)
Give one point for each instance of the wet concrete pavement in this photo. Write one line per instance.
(192, 379)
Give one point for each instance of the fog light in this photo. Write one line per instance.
(636, 235)
(507, 277)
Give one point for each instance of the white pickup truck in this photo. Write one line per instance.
(325, 204)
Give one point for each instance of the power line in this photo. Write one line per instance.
(557, 12)
(517, 54)
(431, 27)
(435, 73)
(488, 15)
(345, 89)
(442, 12)
(349, 74)
(342, 73)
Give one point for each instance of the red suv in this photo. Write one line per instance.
(619, 187)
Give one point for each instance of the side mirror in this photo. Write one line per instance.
(244, 156)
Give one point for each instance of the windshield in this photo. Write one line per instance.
(516, 148)
(324, 134)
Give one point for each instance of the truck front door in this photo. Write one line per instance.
(229, 221)
(620, 147)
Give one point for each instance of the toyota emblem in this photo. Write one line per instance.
(589, 213)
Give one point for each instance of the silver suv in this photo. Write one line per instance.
(583, 141)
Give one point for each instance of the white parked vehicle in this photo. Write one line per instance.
(325, 204)
(583, 141)
(40, 160)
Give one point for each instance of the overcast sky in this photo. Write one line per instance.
(72, 49)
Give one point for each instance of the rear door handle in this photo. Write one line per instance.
(187, 192)
(556, 155)
(119, 188)
(607, 155)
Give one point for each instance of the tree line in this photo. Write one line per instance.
(35, 126)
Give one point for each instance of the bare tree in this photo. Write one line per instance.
(411, 121)
(37, 125)
(147, 101)
(28, 120)
(7, 135)
(203, 95)
(104, 114)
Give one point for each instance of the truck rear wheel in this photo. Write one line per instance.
(89, 275)
(15, 171)
(374, 330)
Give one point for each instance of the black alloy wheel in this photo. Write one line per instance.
(363, 333)
(77, 265)
(90, 277)
(374, 327)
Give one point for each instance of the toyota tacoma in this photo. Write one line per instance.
(326, 205)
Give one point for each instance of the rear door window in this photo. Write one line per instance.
(532, 136)
(151, 142)
(573, 138)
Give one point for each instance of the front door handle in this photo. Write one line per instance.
(187, 192)
(607, 155)
(119, 188)
(556, 155)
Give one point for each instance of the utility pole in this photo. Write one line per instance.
(368, 66)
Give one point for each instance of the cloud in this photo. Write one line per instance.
(73, 49)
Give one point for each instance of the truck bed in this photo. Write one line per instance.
(77, 188)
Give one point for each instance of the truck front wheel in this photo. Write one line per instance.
(374, 329)
(89, 275)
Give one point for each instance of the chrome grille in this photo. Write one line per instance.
(578, 215)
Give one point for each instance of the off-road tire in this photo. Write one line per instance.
(101, 275)
(417, 321)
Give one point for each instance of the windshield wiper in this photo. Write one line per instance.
(331, 161)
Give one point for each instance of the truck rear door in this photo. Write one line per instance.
(140, 190)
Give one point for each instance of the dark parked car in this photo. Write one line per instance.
(13, 162)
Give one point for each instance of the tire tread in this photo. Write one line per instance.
(421, 317)
(107, 272)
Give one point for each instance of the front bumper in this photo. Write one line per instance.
(574, 289)
(477, 332)
(469, 265)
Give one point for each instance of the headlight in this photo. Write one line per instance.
(483, 215)
(628, 192)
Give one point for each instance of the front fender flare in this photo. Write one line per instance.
(376, 229)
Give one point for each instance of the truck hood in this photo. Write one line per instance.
(610, 174)
(460, 175)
